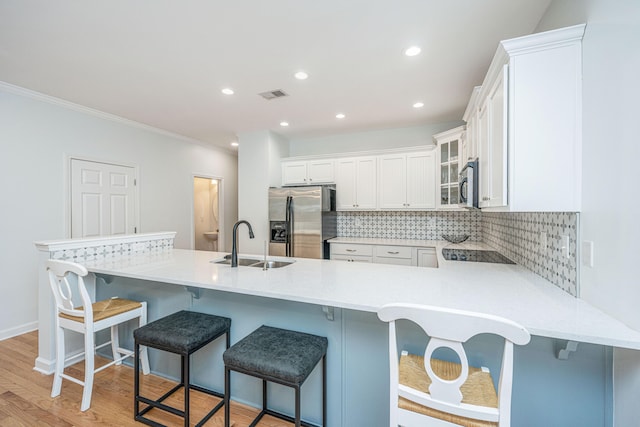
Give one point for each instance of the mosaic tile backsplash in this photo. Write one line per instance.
(409, 225)
(516, 235)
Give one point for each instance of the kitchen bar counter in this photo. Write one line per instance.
(504, 290)
(339, 300)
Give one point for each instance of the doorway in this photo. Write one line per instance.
(207, 221)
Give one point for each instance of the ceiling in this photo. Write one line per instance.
(164, 63)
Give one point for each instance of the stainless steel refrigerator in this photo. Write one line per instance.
(302, 219)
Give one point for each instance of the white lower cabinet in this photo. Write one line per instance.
(351, 252)
(399, 255)
(427, 257)
(352, 258)
(384, 254)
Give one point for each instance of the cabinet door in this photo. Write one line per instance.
(498, 141)
(346, 170)
(320, 172)
(421, 181)
(366, 183)
(471, 139)
(392, 182)
(483, 155)
(427, 257)
(294, 173)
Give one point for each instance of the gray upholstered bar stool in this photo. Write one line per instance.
(280, 356)
(181, 333)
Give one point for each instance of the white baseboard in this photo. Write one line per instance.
(18, 330)
(44, 366)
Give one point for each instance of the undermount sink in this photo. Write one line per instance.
(272, 264)
(253, 262)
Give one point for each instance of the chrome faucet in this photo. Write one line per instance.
(234, 246)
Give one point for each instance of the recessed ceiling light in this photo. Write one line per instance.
(301, 75)
(284, 124)
(340, 116)
(227, 91)
(418, 105)
(234, 144)
(412, 51)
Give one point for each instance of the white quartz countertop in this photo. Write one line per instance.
(504, 290)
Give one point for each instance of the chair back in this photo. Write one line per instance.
(448, 328)
(59, 274)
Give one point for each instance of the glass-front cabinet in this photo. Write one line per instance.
(449, 161)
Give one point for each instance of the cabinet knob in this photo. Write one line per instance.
(310, 179)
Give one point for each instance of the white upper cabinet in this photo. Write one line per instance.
(309, 172)
(407, 181)
(528, 124)
(493, 145)
(356, 183)
(449, 162)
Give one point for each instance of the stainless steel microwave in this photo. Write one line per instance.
(468, 185)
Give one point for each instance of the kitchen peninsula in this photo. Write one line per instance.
(339, 300)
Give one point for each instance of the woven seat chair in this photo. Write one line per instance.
(87, 320)
(425, 391)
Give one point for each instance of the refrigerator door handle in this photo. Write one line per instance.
(289, 220)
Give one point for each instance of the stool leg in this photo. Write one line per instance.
(60, 357)
(227, 395)
(144, 354)
(324, 391)
(89, 368)
(186, 383)
(264, 395)
(297, 410)
(136, 380)
(115, 344)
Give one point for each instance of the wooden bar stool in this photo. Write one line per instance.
(181, 333)
(88, 319)
(425, 390)
(280, 356)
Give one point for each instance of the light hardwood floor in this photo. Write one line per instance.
(25, 395)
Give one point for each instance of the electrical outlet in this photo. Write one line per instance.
(564, 240)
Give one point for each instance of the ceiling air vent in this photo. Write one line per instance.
(273, 94)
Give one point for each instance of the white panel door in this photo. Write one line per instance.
(103, 199)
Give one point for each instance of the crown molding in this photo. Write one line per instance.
(544, 41)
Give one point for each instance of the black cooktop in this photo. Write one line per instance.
(474, 255)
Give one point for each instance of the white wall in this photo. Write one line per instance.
(611, 66)
(259, 157)
(36, 138)
(369, 140)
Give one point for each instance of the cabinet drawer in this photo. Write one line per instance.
(394, 261)
(352, 258)
(349, 249)
(393, 251)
